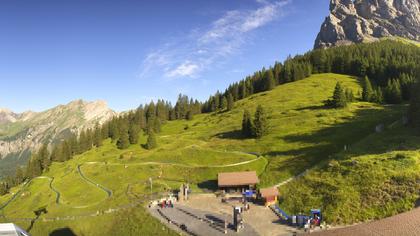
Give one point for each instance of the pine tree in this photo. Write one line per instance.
(223, 105)
(269, 82)
(339, 97)
(97, 137)
(56, 154)
(406, 84)
(151, 141)
(123, 141)
(393, 93)
(190, 115)
(156, 126)
(89, 139)
(261, 125)
(367, 90)
(133, 133)
(20, 175)
(378, 96)
(44, 157)
(230, 102)
(33, 168)
(66, 150)
(247, 126)
(3, 188)
(83, 141)
(349, 95)
(113, 130)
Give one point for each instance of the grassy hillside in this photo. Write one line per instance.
(102, 190)
(376, 178)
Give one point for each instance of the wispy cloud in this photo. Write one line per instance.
(189, 56)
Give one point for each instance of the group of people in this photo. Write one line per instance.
(166, 204)
(312, 223)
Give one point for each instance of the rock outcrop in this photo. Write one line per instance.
(355, 21)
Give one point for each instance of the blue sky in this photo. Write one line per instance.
(129, 52)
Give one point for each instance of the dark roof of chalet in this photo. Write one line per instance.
(269, 192)
(231, 179)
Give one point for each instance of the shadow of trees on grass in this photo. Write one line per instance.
(62, 232)
(233, 134)
(322, 144)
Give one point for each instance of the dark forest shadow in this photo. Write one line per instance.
(210, 185)
(62, 232)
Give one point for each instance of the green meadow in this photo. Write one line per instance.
(304, 135)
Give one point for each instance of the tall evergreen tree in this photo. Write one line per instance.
(224, 103)
(151, 141)
(97, 137)
(367, 90)
(269, 81)
(157, 126)
(123, 141)
(378, 96)
(20, 175)
(190, 115)
(3, 188)
(393, 93)
(247, 126)
(261, 125)
(56, 154)
(44, 157)
(133, 133)
(339, 99)
(349, 95)
(230, 102)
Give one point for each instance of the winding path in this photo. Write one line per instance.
(57, 199)
(108, 191)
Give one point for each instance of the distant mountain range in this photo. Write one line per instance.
(24, 132)
(356, 21)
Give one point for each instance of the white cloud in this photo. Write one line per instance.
(186, 69)
(189, 56)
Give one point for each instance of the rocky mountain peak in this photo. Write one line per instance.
(355, 21)
(22, 133)
(7, 116)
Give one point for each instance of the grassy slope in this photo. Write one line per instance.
(376, 178)
(304, 134)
